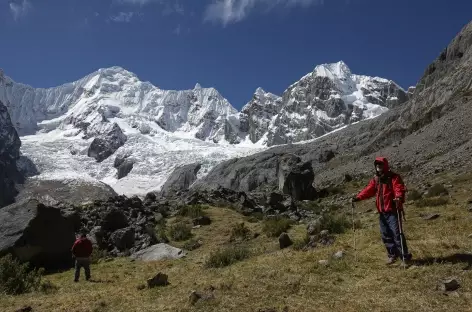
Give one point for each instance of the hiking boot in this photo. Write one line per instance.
(391, 260)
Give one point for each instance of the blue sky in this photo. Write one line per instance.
(232, 45)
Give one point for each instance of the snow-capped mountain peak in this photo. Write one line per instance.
(337, 70)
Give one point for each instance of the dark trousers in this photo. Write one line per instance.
(79, 263)
(390, 231)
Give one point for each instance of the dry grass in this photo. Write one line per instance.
(283, 278)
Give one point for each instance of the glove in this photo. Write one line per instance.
(354, 199)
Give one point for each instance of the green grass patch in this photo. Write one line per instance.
(228, 256)
(432, 202)
(180, 231)
(276, 226)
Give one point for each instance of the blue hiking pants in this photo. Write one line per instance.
(390, 231)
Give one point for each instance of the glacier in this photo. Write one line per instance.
(168, 128)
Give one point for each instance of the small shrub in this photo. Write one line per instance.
(161, 231)
(413, 194)
(193, 211)
(97, 254)
(437, 190)
(255, 217)
(192, 245)
(299, 244)
(432, 202)
(275, 227)
(239, 231)
(336, 223)
(312, 206)
(227, 256)
(15, 278)
(180, 231)
(48, 288)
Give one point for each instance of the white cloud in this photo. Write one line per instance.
(122, 17)
(20, 9)
(232, 11)
(177, 30)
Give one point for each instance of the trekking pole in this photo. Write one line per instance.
(354, 232)
(400, 227)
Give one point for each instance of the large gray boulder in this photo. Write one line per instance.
(159, 252)
(296, 177)
(104, 146)
(266, 172)
(180, 179)
(9, 154)
(35, 233)
(77, 192)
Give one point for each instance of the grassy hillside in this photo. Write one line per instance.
(287, 280)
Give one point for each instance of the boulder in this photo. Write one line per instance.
(159, 280)
(203, 220)
(113, 220)
(448, 284)
(123, 238)
(35, 233)
(159, 252)
(284, 241)
(295, 177)
(104, 146)
(180, 179)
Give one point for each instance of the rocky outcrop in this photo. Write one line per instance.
(159, 252)
(35, 233)
(125, 168)
(105, 145)
(256, 116)
(181, 179)
(72, 191)
(9, 154)
(296, 178)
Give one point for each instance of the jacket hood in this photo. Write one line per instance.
(383, 161)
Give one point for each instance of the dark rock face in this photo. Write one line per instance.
(36, 233)
(103, 147)
(9, 154)
(123, 238)
(181, 179)
(125, 168)
(284, 241)
(296, 178)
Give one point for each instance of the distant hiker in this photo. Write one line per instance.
(389, 190)
(82, 250)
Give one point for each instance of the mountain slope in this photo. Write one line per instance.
(423, 137)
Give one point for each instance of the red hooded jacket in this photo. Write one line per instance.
(386, 189)
(82, 248)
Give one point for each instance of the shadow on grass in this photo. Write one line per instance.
(452, 259)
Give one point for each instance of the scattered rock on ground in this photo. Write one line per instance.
(339, 254)
(159, 280)
(159, 252)
(431, 216)
(449, 284)
(314, 227)
(25, 309)
(323, 262)
(284, 241)
(203, 220)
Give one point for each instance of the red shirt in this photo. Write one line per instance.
(82, 248)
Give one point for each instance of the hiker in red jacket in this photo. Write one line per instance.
(389, 190)
(82, 250)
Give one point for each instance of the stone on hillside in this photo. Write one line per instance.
(159, 252)
(314, 227)
(180, 179)
(159, 280)
(25, 309)
(339, 255)
(203, 220)
(295, 177)
(284, 241)
(96, 236)
(113, 220)
(37, 234)
(430, 216)
(449, 284)
(123, 238)
(323, 262)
